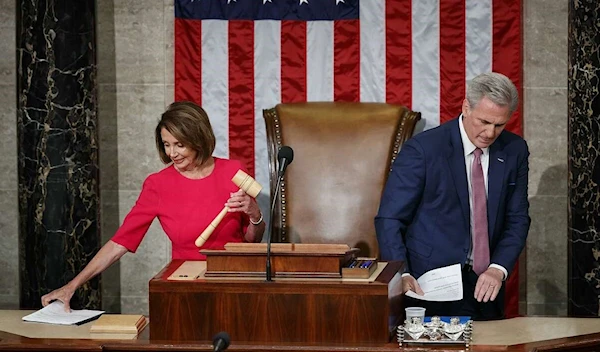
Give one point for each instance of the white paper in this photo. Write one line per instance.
(440, 285)
(54, 313)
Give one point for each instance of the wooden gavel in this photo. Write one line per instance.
(246, 183)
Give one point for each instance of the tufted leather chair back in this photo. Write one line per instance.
(342, 156)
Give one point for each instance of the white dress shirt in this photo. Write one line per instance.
(469, 148)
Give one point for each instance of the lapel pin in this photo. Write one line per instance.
(500, 160)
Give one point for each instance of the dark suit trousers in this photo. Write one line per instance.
(468, 306)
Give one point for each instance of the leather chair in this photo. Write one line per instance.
(342, 156)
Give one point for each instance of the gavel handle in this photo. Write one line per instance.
(210, 228)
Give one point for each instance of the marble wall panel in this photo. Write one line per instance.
(584, 158)
(108, 137)
(9, 256)
(139, 108)
(57, 148)
(139, 42)
(109, 186)
(547, 245)
(7, 15)
(106, 38)
(135, 304)
(108, 148)
(545, 129)
(8, 52)
(545, 43)
(169, 93)
(111, 278)
(8, 134)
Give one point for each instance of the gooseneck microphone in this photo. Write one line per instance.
(221, 341)
(285, 156)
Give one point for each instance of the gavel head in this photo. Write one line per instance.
(247, 183)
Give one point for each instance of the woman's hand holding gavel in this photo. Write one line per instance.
(241, 202)
(248, 187)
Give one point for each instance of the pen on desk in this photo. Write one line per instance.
(366, 264)
(352, 264)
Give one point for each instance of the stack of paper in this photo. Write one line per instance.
(54, 313)
(118, 326)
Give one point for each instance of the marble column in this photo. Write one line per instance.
(57, 147)
(584, 158)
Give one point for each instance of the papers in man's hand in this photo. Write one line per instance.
(440, 285)
(54, 313)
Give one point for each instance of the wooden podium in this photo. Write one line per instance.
(286, 310)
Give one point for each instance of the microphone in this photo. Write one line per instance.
(221, 341)
(285, 156)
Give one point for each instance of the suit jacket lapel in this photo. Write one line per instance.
(495, 182)
(456, 162)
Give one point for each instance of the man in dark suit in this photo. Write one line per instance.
(458, 194)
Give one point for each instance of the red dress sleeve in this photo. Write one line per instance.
(140, 217)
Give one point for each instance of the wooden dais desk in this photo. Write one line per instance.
(527, 334)
(310, 311)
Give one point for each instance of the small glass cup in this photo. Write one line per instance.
(415, 312)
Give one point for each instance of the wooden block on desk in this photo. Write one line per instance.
(118, 324)
(189, 270)
(111, 336)
(363, 268)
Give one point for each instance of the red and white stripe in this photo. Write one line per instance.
(419, 53)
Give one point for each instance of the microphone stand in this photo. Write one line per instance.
(277, 187)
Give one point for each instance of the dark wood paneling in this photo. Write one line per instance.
(317, 311)
(252, 264)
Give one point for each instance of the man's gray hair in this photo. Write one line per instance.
(494, 86)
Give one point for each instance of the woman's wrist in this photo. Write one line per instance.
(72, 286)
(257, 222)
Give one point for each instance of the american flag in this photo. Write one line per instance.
(238, 57)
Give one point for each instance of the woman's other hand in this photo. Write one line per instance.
(62, 294)
(106, 256)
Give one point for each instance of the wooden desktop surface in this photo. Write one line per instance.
(518, 334)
